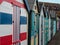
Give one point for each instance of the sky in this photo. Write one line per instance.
(50, 1)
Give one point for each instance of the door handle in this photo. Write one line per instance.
(34, 22)
(35, 31)
(12, 21)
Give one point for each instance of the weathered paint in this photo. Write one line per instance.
(37, 39)
(54, 27)
(32, 40)
(34, 28)
(46, 29)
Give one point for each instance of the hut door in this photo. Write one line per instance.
(36, 29)
(16, 25)
(46, 30)
(32, 27)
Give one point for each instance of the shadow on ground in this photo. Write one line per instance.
(55, 40)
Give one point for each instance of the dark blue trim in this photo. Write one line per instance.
(7, 19)
(23, 20)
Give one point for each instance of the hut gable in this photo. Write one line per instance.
(31, 3)
(35, 8)
(42, 12)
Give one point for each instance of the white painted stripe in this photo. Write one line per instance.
(24, 42)
(6, 30)
(6, 8)
(24, 12)
(23, 28)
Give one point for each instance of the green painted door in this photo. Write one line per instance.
(34, 28)
(54, 27)
(46, 29)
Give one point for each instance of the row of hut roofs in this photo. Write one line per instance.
(36, 6)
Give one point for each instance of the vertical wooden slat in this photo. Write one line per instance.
(16, 24)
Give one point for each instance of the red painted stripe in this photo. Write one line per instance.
(7, 40)
(23, 36)
(14, 2)
(0, 1)
(19, 4)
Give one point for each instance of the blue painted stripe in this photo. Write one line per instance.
(23, 20)
(7, 19)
